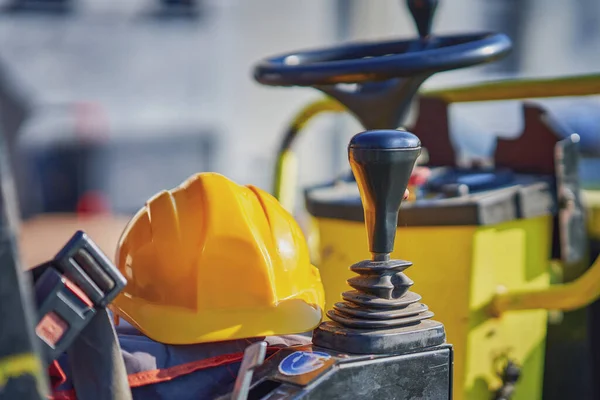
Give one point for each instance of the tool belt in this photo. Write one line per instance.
(88, 359)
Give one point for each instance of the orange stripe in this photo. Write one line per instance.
(163, 375)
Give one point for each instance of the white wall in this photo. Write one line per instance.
(151, 76)
(253, 115)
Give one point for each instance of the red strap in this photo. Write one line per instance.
(57, 375)
(163, 375)
(63, 395)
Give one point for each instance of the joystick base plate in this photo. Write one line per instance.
(426, 333)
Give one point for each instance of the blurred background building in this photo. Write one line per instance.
(126, 98)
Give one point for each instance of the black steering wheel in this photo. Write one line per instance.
(369, 62)
(389, 73)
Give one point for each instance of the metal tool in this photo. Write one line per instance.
(254, 356)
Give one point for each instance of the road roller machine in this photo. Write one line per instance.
(500, 250)
(478, 286)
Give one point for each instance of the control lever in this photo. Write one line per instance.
(381, 315)
(382, 162)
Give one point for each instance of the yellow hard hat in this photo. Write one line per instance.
(212, 260)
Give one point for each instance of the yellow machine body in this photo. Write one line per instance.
(489, 283)
(592, 201)
(458, 269)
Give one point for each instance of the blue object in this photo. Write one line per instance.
(474, 180)
(303, 362)
(368, 62)
(385, 139)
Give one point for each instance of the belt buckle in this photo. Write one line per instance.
(69, 290)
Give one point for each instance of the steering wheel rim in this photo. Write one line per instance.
(379, 61)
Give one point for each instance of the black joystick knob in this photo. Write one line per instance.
(381, 314)
(423, 12)
(382, 161)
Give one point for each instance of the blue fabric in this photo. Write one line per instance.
(143, 354)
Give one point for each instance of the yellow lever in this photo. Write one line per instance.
(525, 88)
(568, 296)
(286, 169)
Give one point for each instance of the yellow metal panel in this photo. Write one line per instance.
(592, 203)
(441, 270)
(458, 270)
(512, 255)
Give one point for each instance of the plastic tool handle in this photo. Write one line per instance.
(382, 161)
(423, 12)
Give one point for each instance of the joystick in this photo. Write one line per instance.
(380, 315)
